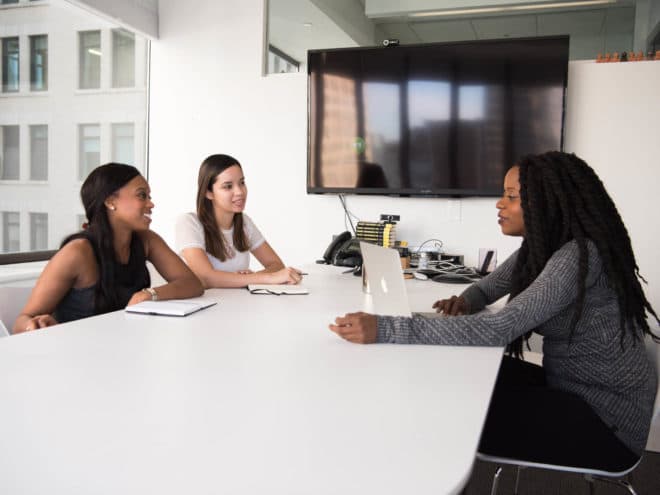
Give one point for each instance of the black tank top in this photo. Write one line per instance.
(129, 278)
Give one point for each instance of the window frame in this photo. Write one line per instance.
(15, 258)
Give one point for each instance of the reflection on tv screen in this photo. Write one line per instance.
(438, 119)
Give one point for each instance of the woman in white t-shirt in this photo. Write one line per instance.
(217, 241)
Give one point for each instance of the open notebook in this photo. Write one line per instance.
(277, 290)
(174, 307)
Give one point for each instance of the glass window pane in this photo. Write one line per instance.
(65, 132)
(38, 231)
(10, 65)
(10, 160)
(90, 59)
(38, 152)
(89, 141)
(123, 146)
(123, 59)
(39, 62)
(11, 232)
(7, 2)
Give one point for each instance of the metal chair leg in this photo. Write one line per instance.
(619, 482)
(496, 480)
(515, 489)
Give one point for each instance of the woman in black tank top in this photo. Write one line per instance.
(103, 268)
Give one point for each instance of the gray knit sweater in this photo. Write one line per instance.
(618, 383)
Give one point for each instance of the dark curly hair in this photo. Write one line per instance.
(562, 200)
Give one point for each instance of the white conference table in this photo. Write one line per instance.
(251, 396)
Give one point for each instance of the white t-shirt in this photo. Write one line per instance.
(189, 233)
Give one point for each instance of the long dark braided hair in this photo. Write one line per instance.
(100, 184)
(563, 199)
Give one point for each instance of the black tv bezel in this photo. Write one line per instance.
(412, 192)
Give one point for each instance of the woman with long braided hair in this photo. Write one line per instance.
(574, 281)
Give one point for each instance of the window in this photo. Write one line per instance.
(38, 152)
(39, 62)
(38, 231)
(279, 62)
(62, 118)
(123, 148)
(10, 161)
(123, 59)
(11, 231)
(89, 154)
(7, 2)
(10, 66)
(90, 59)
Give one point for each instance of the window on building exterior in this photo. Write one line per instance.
(38, 231)
(89, 149)
(11, 231)
(123, 143)
(90, 59)
(123, 59)
(7, 2)
(10, 65)
(38, 152)
(62, 117)
(39, 62)
(10, 165)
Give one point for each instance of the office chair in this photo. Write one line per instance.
(12, 300)
(590, 475)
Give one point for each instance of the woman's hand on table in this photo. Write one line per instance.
(454, 306)
(359, 328)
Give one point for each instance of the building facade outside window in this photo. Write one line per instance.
(10, 167)
(39, 62)
(123, 143)
(38, 152)
(89, 149)
(11, 231)
(89, 59)
(38, 231)
(7, 2)
(123, 59)
(61, 117)
(10, 64)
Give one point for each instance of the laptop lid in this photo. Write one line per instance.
(387, 290)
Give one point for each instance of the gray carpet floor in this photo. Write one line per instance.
(645, 479)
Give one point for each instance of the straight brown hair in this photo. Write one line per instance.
(209, 170)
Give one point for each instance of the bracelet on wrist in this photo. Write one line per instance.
(152, 293)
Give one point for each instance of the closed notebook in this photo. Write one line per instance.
(277, 290)
(175, 307)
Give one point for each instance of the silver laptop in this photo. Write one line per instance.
(386, 294)
(384, 278)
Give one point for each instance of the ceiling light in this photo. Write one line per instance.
(511, 8)
(94, 51)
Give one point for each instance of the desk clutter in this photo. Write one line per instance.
(382, 233)
(627, 57)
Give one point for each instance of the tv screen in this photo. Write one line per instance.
(442, 119)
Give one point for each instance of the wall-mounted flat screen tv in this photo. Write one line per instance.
(442, 119)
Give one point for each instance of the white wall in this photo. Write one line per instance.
(207, 96)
